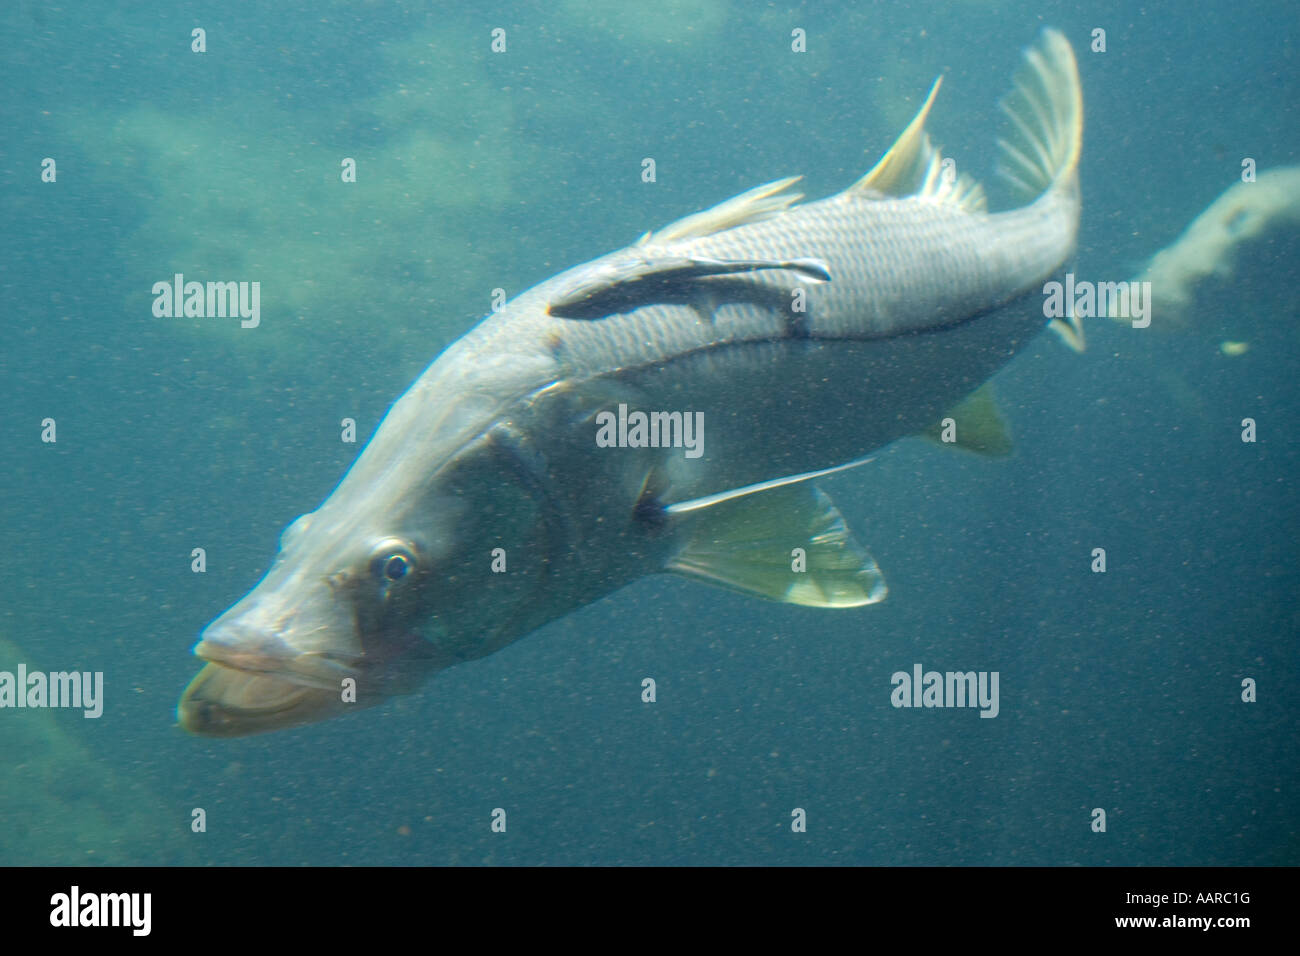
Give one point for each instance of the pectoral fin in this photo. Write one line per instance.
(788, 544)
(620, 285)
(976, 425)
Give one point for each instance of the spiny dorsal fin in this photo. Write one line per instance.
(754, 205)
(914, 167)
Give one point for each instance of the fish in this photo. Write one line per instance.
(1213, 244)
(538, 464)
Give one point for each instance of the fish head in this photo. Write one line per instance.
(325, 629)
(389, 581)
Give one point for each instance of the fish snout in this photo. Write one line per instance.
(257, 650)
(260, 677)
(280, 658)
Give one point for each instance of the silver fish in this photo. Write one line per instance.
(729, 359)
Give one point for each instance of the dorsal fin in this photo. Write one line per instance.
(940, 185)
(914, 167)
(899, 169)
(753, 205)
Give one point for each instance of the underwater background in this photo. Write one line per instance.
(477, 170)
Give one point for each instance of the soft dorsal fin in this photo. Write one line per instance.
(914, 167)
(899, 169)
(940, 185)
(754, 205)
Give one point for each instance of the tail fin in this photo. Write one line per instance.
(1044, 112)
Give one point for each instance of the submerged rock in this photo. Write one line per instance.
(62, 805)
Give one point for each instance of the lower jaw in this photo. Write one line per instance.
(223, 701)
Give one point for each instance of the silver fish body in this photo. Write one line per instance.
(795, 337)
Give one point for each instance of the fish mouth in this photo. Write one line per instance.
(270, 656)
(259, 679)
(224, 701)
(246, 689)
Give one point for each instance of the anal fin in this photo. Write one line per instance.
(977, 425)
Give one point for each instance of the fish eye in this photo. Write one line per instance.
(392, 560)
